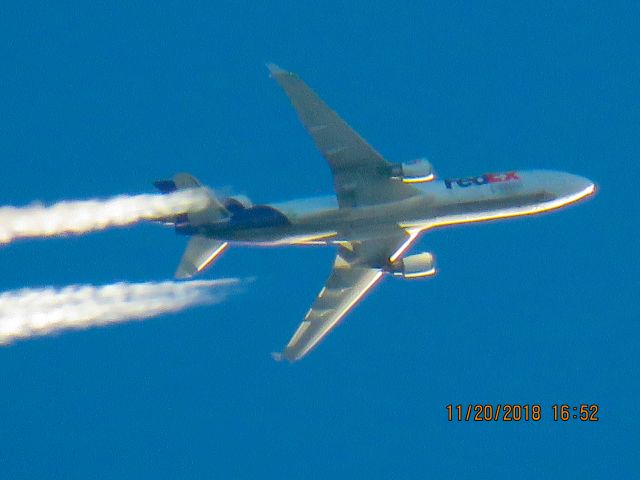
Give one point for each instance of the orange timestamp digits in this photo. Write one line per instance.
(582, 412)
(508, 412)
(516, 412)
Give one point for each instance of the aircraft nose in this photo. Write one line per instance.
(574, 187)
(583, 185)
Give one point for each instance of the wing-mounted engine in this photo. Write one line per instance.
(416, 171)
(414, 266)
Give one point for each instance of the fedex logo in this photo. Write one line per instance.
(482, 179)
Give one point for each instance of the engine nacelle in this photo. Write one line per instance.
(414, 266)
(417, 171)
(237, 202)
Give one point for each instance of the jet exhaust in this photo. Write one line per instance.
(33, 312)
(83, 216)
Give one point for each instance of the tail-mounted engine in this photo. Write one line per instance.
(414, 266)
(417, 171)
(237, 202)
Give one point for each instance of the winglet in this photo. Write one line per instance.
(277, 356)
(275, 70)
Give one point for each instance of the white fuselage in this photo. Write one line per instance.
(319, 220)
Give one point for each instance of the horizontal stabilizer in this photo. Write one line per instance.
(200, 253)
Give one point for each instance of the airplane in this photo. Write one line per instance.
(378, 211)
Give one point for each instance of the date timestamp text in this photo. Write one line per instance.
(516, 412)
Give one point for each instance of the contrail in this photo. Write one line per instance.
(31, 312)
(84, 216)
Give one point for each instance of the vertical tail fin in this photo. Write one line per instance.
(214, 212)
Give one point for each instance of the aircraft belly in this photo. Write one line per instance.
(484, 207)
(336, 225)
(329, 226)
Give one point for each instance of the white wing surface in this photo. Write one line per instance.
(361, 176)
(356, 269)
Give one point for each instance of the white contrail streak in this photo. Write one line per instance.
(84, 216)
(31, 312)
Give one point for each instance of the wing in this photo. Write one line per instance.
(356, 269)
(361, 176)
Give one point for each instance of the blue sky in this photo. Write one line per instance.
(98, 100)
